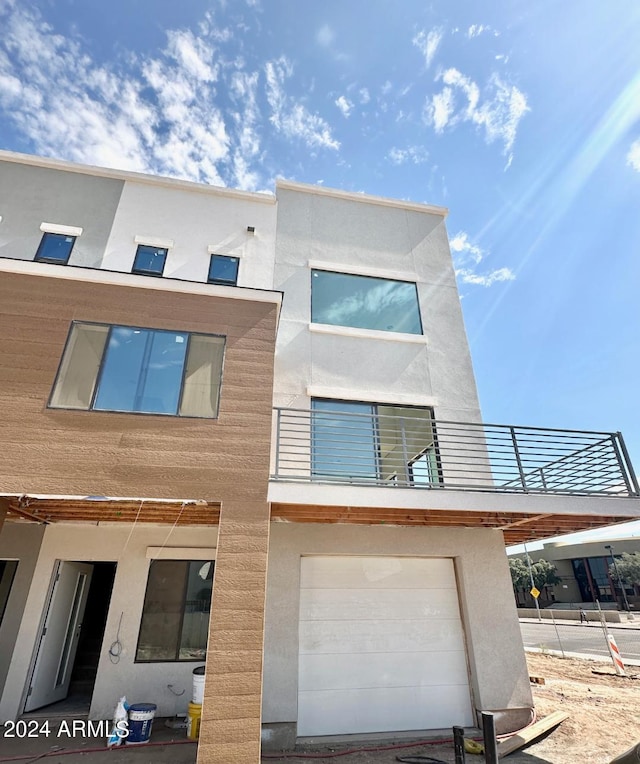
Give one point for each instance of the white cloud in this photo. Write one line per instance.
(413, 154)
(441, 109)
(475, 30)
(498, 112)
(428, 43)
(487, 279)
(364, 95)
(466, 256)
(291, 118)
(464, 249)
(633, 157)
(159, 114)
(345, 106)
(325, 36)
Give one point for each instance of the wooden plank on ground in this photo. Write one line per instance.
(529, 734)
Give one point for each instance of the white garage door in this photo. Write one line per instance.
(381, 646)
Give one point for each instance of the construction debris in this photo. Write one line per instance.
(530, 734)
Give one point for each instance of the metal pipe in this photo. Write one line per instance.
(489, 736)
(533, 586)
(458, 745)
(615, 567)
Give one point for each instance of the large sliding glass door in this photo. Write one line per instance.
(378, 443)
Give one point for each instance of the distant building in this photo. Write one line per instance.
(278, 388)
(585, 572)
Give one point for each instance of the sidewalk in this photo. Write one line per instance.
(635, 624)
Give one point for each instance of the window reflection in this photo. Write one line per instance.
(364, 302)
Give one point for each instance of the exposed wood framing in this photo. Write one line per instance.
(112, 511)
(516, 526)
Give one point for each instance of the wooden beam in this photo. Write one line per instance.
(529, 734)
(523, 521)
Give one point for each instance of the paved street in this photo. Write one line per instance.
(581, 638)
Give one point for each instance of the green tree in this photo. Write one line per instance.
(519, 573)
(544, 574)
(628, 568)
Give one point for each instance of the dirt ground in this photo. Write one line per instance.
(604, 718)
(604, 721)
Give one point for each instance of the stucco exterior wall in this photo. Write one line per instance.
(140, 682)
(34, 195)
(196, 222)
(19, 542)
(497, 669)
(114, 454)
(369, 238)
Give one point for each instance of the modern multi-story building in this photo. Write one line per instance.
(277, 387)
(589, 574)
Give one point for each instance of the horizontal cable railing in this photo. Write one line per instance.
(414, 450)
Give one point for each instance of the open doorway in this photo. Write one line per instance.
(68, 652)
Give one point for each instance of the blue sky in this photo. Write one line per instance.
(522, 118)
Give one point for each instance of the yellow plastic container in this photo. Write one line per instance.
(194, 714)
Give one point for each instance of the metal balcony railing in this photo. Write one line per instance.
(414, 450)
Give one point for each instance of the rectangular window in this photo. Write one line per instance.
(373, 443)
(55, 248)
(364, 302)
(175, 615)
(223, 270)
(149, 260)
(130, 369)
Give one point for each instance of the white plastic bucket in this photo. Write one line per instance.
(198, 685)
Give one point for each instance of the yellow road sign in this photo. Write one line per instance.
(535, 592)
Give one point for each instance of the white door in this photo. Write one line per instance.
(60, 634)
(381, 646)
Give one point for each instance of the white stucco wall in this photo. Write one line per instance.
(21, 542)
(361, 235)
(197, 222)
(497, 668)
(140, 682)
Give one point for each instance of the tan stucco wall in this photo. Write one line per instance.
(224, 460)
(110, 454)
(498, 672)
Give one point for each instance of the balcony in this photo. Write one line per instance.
(406, 447)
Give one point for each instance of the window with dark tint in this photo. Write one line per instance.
(364, 302)
(223, 270)
(175, 616)
(130, 369)
(55, 248)
(149, 260)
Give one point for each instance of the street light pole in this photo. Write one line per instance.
(533, 586)
(615, 567)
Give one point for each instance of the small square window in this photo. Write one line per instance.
(223, 270)
(55, 248)
(149, 260)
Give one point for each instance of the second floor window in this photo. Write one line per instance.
(131, 369)
(223, 270)
(149, 260)
(364, 302)
(55, 248)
